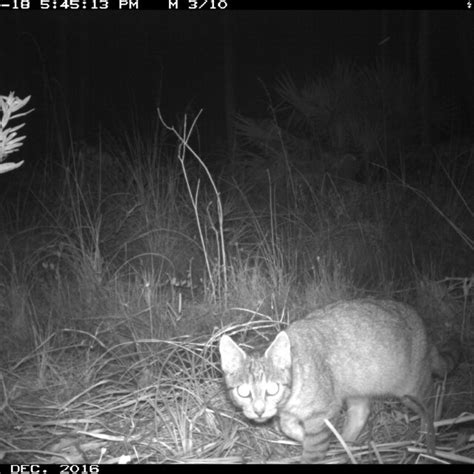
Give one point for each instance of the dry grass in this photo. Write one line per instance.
(163, 401)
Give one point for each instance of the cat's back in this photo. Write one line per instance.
(361, 346)
(359, 320)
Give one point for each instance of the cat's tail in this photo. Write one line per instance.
(446, 359)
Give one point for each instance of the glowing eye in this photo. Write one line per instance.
(272, 388)
(243, 391)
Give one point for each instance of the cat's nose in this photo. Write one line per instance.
(259, 407)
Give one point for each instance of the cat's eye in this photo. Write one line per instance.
(243, 391)
(272, 388)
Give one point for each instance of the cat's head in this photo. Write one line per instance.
(259, 385)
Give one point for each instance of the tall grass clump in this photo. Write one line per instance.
(341, 148)
(215, 262)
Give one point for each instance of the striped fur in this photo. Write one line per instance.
(346, 353)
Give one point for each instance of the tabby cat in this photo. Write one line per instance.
(348, 352)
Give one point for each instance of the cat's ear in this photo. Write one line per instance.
(279, 351)
(232, 356)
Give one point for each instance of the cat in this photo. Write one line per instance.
(348, 352)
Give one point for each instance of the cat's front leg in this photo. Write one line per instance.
(312, 434)
(316, 440)
(292, 426)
